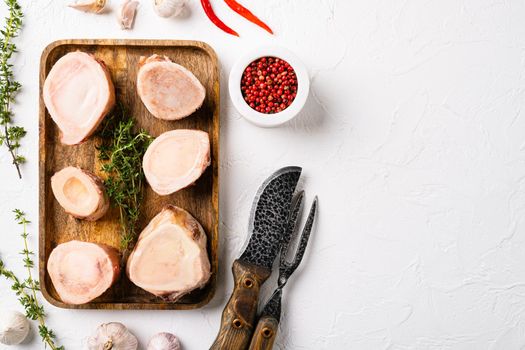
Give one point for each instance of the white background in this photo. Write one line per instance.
(413, 138)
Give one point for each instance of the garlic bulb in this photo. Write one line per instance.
(164, 341)
(14, 327)
(168, 8)
(127, 12)
(112, 336)
(95, 6)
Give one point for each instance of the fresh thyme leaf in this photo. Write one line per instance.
(121, 151)
(27, 289)
(10, 135)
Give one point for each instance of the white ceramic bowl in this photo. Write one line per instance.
(262, 119)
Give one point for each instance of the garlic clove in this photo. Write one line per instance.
(164, 341)
(168, 8)
(126, 14)
(14, 327)
(95, 6)
(114, 336)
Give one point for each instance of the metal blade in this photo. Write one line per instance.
(269, 216)
(297, 205)
(286, 269)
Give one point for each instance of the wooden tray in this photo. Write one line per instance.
(201, 200)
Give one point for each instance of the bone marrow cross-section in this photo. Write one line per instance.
(168, 90)
(80, 193)
(170, 257)
(78, 93)
(82, 271)
(176, 159)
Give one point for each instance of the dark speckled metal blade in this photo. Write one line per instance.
(269, 216)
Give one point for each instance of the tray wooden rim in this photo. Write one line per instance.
(42, 178)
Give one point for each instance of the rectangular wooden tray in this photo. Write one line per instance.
(201, 200)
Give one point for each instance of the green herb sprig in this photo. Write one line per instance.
(121, 152)
(10, 135)
(27, 289)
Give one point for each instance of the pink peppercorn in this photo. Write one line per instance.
(269, 79)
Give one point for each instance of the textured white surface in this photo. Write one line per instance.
(413, 138)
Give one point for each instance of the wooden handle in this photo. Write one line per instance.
(265, 333)
(238, 317)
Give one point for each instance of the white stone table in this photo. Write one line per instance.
(413, 138)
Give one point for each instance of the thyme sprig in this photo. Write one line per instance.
(27, 289)
(121, 152)
(10, 135)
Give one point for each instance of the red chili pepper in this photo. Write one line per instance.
(206, 5)
(243, 11)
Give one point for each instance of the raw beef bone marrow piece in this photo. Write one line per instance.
(78, 93)
(170, 257)
(176, 159)
(80, 193)
(168, 90)
(82, 271)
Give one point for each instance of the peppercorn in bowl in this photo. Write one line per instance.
(269, 86)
